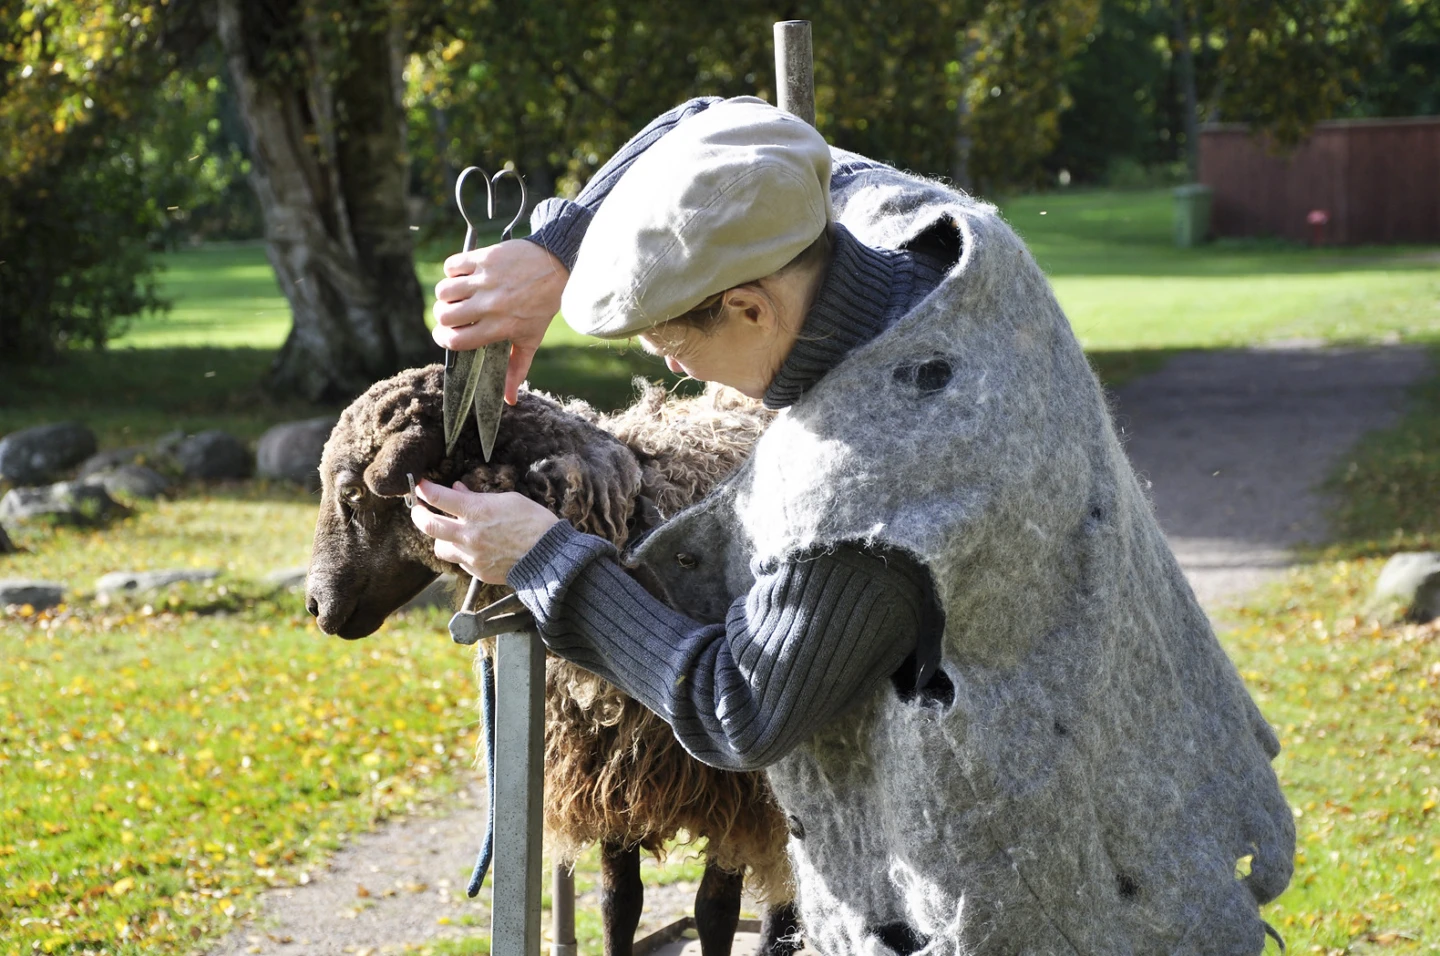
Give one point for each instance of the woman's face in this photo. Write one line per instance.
(726, 354)
(743, 350)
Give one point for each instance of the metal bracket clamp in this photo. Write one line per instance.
(505, 615)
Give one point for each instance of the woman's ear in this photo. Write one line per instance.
(751, 303)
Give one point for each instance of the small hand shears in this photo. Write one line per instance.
(471, 379)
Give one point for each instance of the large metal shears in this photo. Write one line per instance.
(477, 379)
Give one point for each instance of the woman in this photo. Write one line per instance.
(934, 604)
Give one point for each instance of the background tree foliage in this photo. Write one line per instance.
(1406, 78)
(122, 122)
(913, 82)
(1281, 66)
(102, 150)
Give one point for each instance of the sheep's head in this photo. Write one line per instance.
(368, 558)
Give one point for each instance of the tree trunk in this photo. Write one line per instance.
(960, 166)
(328, 164)
(1185, 62)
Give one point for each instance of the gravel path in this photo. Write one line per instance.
(1234, 445)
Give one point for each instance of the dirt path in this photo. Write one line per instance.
(1234, 445)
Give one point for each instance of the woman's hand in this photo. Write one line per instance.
(510, 290)
(488, 533)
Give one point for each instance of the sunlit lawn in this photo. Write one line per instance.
(1121, 281)
(166, 758)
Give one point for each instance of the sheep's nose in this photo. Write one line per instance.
(312, 605)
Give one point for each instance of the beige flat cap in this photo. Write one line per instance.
(728, 196)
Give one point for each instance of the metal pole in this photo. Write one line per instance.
(519, 785)
(795, 69)
(562, 912)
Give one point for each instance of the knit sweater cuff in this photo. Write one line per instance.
(544, 573)
(559, 226)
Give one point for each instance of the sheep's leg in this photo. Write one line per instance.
(717, 910)
(780, 932)
(622, 897)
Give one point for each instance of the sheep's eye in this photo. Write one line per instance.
(353, 493)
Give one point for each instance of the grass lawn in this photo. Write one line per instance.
(166, 759)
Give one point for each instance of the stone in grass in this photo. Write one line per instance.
(136, 481)
(73, 502)
(287, 579)
(33, 456)
(103, 461)
(140, 582)
(37, 594)
(6, 546)
(291, 451)
(214, 456)
(1412, 578)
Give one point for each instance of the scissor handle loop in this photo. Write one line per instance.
(460, 202)
(489, 182)
(510, 229)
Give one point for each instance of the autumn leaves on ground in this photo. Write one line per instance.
(165, 759)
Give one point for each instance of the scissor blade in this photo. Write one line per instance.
(462, 372)
(489, 394)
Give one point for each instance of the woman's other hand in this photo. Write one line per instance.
(483, 533)
(510, 290)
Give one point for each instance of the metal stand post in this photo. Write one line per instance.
(519, 785)
(562, 912)
(795, 69)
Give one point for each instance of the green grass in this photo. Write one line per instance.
(164, 759)
(1125, 286)
(1355, 698)
(161, 766)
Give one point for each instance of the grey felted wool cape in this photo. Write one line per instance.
(1088, 769)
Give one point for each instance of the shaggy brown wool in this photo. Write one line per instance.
(613, 769)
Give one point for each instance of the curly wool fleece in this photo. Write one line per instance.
(1088, 770)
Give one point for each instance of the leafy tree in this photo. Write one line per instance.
(890, 81)
(318, 83)
(87, 173)
(1153, 70)
(1406, 79)
(1281, 66)
(1123, 106)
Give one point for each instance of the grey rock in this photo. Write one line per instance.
(169, 443)
(137, 481)
(140, 582)
(1412, 578)
(71, 501)
(37, 594)
(6, 546)
(32, 456)
(110, 460)
(438, 593)
(291, 451)
(287, 578)
(213, 455)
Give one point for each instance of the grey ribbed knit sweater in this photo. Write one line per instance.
(835, 624)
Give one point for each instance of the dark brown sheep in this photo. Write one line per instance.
(614, 773)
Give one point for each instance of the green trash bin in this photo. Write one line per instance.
(1192, 214)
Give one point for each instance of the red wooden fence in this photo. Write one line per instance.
(1377, 181)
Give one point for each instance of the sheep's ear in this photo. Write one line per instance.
(416, 451)
(594, 489)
